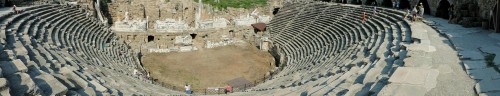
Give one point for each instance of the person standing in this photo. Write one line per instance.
(414, 14)
(188, 89)
(363, 17)
(394, 4)
(228, 89)
(397, 4)
(15, 9)
(421, 9)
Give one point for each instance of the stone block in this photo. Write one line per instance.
(4, 86)
(10, 67)
(354, 89)
(65, 81)
(490, 94)
(472, 65)
(485, 86)
(10, 54)
(21, 50)
(474, 55)
(87, 91)
(50, 85)
(484, 74)
(98, 87)
(414, 76)
(21, 84)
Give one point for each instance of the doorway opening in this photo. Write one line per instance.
(404, 4)
(276, 10)
(387, 3)
(193, 35)
(151, 38)
(443, 9)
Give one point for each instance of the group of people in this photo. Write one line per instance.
(416, 11)
(227, 89)
(145, 75)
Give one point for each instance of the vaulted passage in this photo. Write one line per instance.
(371, 2)
(404, 4)
(387, 3)
(443, 9)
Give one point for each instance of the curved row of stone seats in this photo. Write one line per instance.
(329, 51)
(58, 50)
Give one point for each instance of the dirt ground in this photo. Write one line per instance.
(208, 67)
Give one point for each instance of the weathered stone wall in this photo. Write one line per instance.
(184, 10)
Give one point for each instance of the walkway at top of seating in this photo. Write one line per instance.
(6, 10)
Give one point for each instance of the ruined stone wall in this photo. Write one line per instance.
(184, 10)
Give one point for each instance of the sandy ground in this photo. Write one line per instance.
(208, 67)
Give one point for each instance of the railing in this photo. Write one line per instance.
(211, 90)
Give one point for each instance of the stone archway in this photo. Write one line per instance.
(404, 4)
(427, 9)
(442, 9)
(387, 3)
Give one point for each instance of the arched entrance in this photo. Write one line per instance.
(387, 3)
(442, 10)
(357, 2)
(427, 9)
(8, 3)
(371, 2)
(338, 1)
(404, 4)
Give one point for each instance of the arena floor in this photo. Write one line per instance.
(208, 67)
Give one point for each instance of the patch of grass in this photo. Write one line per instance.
(223, 4)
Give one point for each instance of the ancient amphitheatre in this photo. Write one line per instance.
(259, 47)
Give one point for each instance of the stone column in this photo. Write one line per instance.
(198, 14)
(497, 18)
